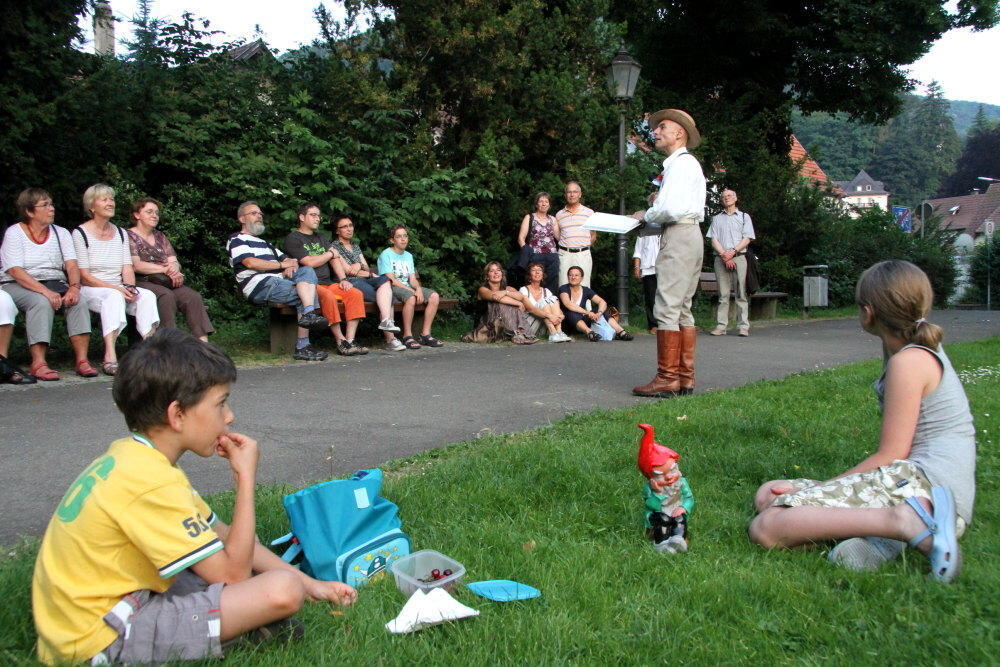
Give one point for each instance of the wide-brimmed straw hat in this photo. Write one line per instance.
(682, 118)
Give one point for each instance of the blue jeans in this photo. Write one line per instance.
(369, 285)
(278, 289)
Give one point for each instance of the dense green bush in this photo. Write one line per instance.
(850, 245)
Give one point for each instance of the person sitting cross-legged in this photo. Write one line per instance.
(134, 566)
(266, 275)
(313, 248)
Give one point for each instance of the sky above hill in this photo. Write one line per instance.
(961, 61)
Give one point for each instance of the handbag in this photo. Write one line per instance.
(161, 279)
(752, 285)
(753, 273)
(603, 329)
(60, 287)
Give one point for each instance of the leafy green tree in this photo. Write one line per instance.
(917, 149)
(980, 157)
(515, 92)
(842, 147)
(39, 66)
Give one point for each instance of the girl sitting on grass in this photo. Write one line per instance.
(923, 472)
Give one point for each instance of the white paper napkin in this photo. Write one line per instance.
(423, 610)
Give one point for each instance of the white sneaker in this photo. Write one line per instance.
(395, 345)
(565, 337)
(388, 325)
(718, 331)
(555, 338)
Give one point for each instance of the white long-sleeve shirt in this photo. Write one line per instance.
(682, 194)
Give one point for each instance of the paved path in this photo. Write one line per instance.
(385, 405)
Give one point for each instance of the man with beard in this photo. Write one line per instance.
(267, 275)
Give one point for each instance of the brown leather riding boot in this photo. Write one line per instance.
(689, 339)
(666, 383)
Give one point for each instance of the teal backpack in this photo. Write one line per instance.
(343, 530)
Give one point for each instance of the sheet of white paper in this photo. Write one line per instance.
(606, 222)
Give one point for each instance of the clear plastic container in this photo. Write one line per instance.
(409, 570)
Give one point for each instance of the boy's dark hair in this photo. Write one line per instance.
(171, 365)
(302, 210)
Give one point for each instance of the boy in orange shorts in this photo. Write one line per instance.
(314, 249)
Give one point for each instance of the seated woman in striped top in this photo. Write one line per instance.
(105, 260)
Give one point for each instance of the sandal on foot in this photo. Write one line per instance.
(109, 368)
(85, 370)
(593, 337)
(431, 341)
(43, 372)
(411, 343)
(12, 374)
(944, 555)
(624, 335)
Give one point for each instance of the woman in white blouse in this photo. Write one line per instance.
(41, 276)
(105, 260)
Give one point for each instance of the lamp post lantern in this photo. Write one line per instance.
(623, 75)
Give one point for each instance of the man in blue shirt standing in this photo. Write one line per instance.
(731, 232)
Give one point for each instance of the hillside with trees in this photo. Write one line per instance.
(914, 153)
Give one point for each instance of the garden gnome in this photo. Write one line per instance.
(668, 497)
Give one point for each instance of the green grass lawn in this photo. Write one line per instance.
(560, 509)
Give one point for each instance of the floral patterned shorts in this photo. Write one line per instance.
(885, 486)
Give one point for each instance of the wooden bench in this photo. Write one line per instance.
(763, 305)
(284, 330)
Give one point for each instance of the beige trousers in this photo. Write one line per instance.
(568, 260)
(726, 279)
(678, 268)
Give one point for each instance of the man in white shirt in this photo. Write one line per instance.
(731, 232)
(679, 207)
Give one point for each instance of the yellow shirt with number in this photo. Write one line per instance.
(130, 521)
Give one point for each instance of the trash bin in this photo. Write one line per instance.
(815, 286)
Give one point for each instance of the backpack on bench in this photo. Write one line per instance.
(343, 530)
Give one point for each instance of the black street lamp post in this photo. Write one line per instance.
(623, 74)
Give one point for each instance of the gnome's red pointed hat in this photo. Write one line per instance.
(652, 455)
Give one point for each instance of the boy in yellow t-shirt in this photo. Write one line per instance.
(134, 566)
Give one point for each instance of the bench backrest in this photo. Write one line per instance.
(708, 282)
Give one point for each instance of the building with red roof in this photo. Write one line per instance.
(966, 217)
